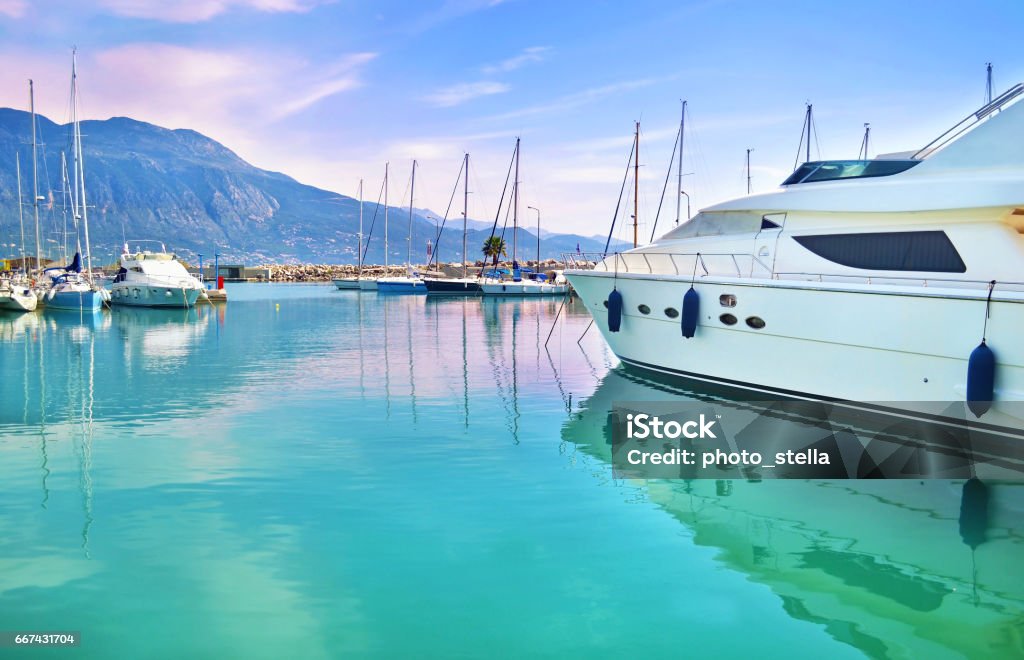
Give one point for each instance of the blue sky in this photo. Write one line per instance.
(327, 91)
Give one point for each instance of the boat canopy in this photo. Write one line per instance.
(834, 170)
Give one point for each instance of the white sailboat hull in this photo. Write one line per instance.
(523, 288)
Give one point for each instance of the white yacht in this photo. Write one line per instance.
(153, 279)
(856, 281)
(17, 295)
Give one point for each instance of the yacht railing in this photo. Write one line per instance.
(970, 121)
(748, 266)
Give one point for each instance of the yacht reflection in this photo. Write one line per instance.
(164, 337)
(869, 560)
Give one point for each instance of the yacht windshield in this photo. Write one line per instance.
(834, 170)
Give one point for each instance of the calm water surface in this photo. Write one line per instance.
(313, 473)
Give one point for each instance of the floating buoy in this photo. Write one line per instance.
(614, 311)
(691, 311)
(981, 378)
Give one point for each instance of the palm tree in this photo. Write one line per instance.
(494, 247)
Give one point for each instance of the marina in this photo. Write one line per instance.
(511, 330)
(321, 456)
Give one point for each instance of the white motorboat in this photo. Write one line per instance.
(153, 278)
(17, 296)
(858, 281)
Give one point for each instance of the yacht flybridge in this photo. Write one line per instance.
(889, 280)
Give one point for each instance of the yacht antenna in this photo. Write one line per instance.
(636, 187)
(748, 170)
(988, 83)
(863, 153)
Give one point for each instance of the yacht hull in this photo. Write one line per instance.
(152, 296)
(873, 344)
(74, 301)
(347, 284)
(403, 286)
(453, 287)
(524, 288)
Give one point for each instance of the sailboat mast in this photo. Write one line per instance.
(359, 273)
(35, 176)
(21, 213)
(682, 130)
(465, 218)
(636, 188)
(515, 211)
(65, 187)
(412, 191)
(386, 219)
(81, 164)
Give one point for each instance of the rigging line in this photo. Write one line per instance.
(817, 145)
(376, 208)
(437, 240)
(501, 202)
(619, 203)
(664, 188)
(800, 145)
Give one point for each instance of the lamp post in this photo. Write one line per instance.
(538, 236)
(201, 278)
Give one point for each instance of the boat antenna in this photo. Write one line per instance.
(636, 186)
(748, 171)
(863, 153)
(988, 83)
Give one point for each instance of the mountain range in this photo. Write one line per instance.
(197, 196)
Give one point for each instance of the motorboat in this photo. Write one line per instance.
(889, 280)
(153, 278)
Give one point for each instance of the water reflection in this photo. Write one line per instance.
(894, 568)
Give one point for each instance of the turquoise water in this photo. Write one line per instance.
(312, 473)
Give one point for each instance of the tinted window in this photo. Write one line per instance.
(847, 169)
(920, 251)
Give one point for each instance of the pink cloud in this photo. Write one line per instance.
(197, 11)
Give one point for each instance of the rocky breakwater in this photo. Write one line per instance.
(328, 272)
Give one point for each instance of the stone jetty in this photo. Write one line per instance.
(328, 272)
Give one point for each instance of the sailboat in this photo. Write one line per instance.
(352, 283)
(15, 293)
(70, 289)
(517, 285)
(465, 285)
(408, 283)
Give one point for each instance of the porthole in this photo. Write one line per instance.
(644, 309)
(727, 319)
(727, 300)
(671, 312)
(605, 303)
(755, 322)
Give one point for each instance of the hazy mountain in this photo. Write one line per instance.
(195, 195)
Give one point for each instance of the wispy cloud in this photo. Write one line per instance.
(458, 94)
(528, 56)
(576, 99)
(13, 8)
(341, 77)
(197, 11)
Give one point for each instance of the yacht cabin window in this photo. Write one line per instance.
(917, 251)
(834, 170)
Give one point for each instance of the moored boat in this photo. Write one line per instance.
(149, 278)
(889, 280)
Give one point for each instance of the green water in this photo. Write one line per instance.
(311, 473)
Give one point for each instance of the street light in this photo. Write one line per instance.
(538, 235)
